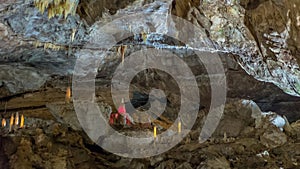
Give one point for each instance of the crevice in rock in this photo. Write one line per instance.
(33, 108)
(12, 96)
(251, 4)
(92, 10)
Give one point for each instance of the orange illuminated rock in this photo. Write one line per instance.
(17, 119)
(68, 95)
(154, 132)
(3, 122)
(22, 121)
(11, 122)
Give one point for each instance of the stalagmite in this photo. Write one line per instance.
(154, 132)
(225, 137)
(17, 119)
(122, 50)
(144, 37)
(22, 121)
(68, 95)
(3, 122)
(179, 126)
(11, 122)
(73, 34)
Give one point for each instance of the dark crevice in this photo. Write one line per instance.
(4, 161)
(251, 4)
(23, 109)
(5, 99)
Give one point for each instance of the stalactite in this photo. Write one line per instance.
(56, 7)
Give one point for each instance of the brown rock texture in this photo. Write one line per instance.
(92, 10)
(48, 144)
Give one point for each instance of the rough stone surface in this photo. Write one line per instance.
(237, 116)
(273, 138)
(263, 40)
(37, 58)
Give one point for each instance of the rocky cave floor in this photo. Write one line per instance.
(246, 142)
(54, 145)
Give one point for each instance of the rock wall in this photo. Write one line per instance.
(262, 34)
(256, 40)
